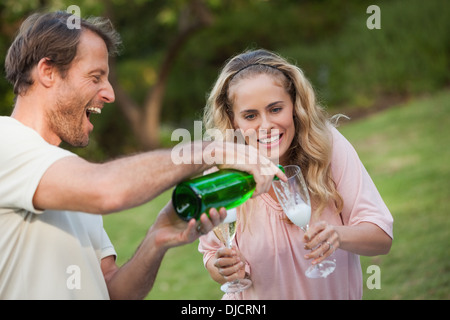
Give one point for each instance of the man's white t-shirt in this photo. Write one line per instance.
(43, 254)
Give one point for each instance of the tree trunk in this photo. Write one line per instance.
(145, 122)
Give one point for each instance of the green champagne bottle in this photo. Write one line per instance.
(224, 188)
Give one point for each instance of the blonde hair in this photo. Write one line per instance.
(311, 146)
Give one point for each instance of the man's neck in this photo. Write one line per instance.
(28, 111)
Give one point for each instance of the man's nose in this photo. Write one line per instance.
(107, 94)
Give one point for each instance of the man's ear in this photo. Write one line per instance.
(46, 72)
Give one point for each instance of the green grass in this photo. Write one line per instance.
(406, 150)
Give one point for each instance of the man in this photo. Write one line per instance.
(50, 248)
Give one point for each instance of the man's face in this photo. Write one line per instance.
(82, 92)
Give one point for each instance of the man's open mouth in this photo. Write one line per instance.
(93, 110)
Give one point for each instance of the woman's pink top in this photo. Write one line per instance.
(274, 249)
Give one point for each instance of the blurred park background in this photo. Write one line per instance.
(393, 82)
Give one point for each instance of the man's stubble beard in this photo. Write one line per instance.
(66, 121)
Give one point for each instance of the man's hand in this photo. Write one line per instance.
(170, 231)
(244, 157)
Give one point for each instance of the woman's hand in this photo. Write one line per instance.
(230, 264)
(323, 239)
(365, 238)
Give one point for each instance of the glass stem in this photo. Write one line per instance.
(305, 229)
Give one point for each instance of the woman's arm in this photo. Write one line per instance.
(367, 222)
(365, 239)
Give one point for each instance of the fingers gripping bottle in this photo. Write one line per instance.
(224, 188)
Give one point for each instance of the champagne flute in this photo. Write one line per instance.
(294, 199)
(225, 232)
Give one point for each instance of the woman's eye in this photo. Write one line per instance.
(249, 117)
(276, 110)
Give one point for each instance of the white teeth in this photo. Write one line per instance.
(269, 140)
(94, 110)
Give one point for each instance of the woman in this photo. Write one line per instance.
(260, 92)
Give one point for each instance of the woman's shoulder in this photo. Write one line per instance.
(337, 137)
(340, 144)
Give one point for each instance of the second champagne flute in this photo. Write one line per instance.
(294, 199)
(225, 232)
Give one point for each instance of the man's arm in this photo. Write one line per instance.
(78, 185)
(75, 184)
(136, 278)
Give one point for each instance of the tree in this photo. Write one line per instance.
(145, 121)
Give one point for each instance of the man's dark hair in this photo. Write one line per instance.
(47, 35)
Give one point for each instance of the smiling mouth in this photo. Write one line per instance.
(271, 139)
(93, 110)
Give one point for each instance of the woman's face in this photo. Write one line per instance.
(263, 110)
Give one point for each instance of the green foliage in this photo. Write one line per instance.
(409, 55)
(348, 64)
